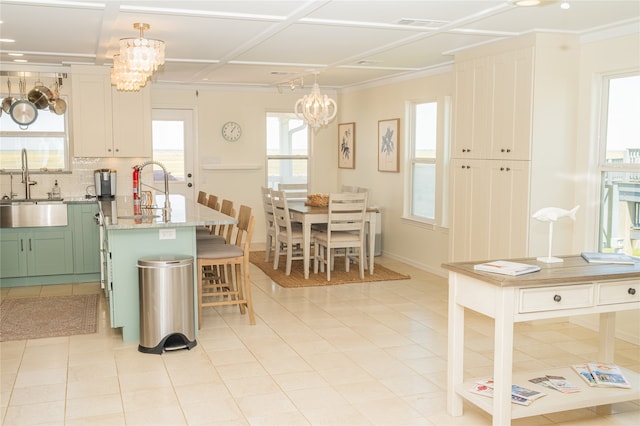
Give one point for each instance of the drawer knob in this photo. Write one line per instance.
(631, 291)
(557, 298)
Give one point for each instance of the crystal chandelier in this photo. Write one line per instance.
(139, 58)
(316, 109)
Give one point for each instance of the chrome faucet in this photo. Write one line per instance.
(166, 211)
(25, 175)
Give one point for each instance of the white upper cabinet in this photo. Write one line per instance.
(493, 106)
(108, 123)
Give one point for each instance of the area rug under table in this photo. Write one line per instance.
(38, 317)
(338, 275)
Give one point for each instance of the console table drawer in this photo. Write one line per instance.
(618, 292)
(555, 298)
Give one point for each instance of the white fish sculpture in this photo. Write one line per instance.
(552, 214)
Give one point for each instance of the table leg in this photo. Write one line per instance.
(503, 358)
(607, 332)
(455, 351)
(306, 250)
(372, 241)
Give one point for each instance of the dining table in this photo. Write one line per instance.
(311, 215)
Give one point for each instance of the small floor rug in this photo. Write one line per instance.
(338, 275)
(38, 317)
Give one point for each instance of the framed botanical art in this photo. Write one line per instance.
(347, 145)
(389, 145)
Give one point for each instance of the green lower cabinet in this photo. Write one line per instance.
(86, 238)
(39, 251)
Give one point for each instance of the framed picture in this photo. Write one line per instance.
(347, 145)
(389, 145)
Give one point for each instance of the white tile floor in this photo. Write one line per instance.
(359, 354)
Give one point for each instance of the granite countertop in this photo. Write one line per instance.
(118, 214)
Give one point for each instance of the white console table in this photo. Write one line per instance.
(571, 288)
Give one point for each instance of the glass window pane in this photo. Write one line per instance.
(168, 149)
(286, 171)
(286, 135)
(423, 191)
(620, 213)
(623, 125)
(426, 119)
(43, 152)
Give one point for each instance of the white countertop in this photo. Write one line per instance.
(184, 212)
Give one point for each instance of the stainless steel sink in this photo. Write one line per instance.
(32, 213)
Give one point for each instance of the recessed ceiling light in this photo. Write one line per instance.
(7, 40)
(20, 60)
(565, 5)
(15, 54)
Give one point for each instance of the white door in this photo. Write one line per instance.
(174, 147)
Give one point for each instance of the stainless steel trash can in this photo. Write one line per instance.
(167, 314)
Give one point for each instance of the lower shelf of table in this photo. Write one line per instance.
(554, 401)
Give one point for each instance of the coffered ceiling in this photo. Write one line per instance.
(269, 43)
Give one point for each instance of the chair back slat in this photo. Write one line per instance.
(202, 198)
(294, 191)
(347, 212)
(212, 202)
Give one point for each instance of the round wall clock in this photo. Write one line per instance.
(231, 131)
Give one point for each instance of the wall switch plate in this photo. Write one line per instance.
(167, 234)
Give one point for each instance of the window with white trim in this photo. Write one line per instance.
(287, 149)
(427, 161)
(46, 142)
(620, 165)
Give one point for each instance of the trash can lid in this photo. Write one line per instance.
(165, 260)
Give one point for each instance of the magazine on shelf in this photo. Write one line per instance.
(608, 375)
(484, 390)
(519, 394)
(562, 384)
(543, 381)
(594, 257)
(506, 267)
(584, 373)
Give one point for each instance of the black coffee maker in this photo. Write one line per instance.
(105, 181)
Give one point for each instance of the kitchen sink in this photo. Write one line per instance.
(22, 213)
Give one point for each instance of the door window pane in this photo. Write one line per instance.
(168, 149)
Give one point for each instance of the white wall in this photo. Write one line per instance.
(420, 245)
(214, 107)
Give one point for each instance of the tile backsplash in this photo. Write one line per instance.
(79, 181)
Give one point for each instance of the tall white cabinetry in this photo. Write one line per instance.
(108, 123)
(502, 142)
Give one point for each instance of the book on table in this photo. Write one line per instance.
(621, 258)
(506, 267)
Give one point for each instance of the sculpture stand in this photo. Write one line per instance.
(549, 258)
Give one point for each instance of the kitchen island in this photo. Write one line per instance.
(128, 237)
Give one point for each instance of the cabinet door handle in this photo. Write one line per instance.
(108, 149)
(557, 298)
(117, 150)
(21, 244)
(30, 248)
(631, 291)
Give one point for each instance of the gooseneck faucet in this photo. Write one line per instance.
(166, 211)
(25, 175)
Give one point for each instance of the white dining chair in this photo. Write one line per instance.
(345, 230)
(295, 191)
(288, 236)
(268, 222)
